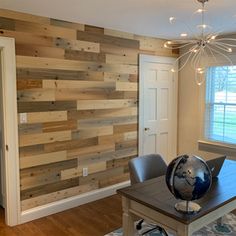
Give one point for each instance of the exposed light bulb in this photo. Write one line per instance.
(173, 70)
(184, 35)
(172, 19)
(213, 37)
(230, 50)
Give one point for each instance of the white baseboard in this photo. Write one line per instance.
(71, 202)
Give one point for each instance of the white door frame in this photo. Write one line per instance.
(10, 132)
(155, 59)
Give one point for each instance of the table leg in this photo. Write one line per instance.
(128, 219)
(183, 230)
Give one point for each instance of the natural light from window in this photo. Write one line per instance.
(220, 113)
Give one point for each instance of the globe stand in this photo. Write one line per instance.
(187, 207)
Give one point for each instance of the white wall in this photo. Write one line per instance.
(190, 112)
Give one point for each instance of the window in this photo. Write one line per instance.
(220, 113)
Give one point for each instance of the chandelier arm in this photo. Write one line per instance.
(178, 59)
(198, 58)
(220, 47)
(186, 61)
(214, 57)
(177, 47)
(225, 39)
(194, 58)
(226, 44)
(222, 54)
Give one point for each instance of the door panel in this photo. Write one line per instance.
(158, 101)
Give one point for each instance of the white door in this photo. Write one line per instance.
(158, 107)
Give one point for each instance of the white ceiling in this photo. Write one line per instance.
(144, 17)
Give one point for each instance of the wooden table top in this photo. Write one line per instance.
(155, 194)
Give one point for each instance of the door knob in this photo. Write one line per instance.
(146, 129)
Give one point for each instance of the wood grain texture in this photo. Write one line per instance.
(105, 215)
(78, 86)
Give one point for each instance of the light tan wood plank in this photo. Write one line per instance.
(59, 195)
(126, 86)
(64, 84)
(117, 59)
(70, 144)
(23, 16)
(39, 51)
(43, 159)
(59, 64)
(44, 29)
(23, 84)
(28, 38)
(59, 126)
(105, 104)
(103, 113)
(79, 45)
(119, 34)
(41, 117)
(33, 139)
(124, 128)
(76, 172)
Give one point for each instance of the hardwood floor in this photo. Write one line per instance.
(92, 219)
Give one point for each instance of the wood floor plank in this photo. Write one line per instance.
(92, 219)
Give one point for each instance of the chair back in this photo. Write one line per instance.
(146, 167)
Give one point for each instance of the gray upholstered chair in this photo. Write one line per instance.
(144, 168)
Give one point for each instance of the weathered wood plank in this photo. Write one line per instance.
(70, 144)
(28, 84)
(51, 197)
(7, 24)
(67, 24)
(43, 175)
(119, 34)
(124, 128)
(39, 51)
(126, 86)
(76, 172)
(26, 73)
(30, 95)
(42, 117)
(23, 16)
(48, 188)
(114, 180)
(105, 104)
(59, 64)
(33, 139)
(28, 38)
(117, 59)
(109, 173)
(99, 38)
(109, 113)
(29, 128)
(85, 56)
(59, 126)
(63, 84)
(25, 107)
(83, 152)
(43, 159)
(90, 132)
(78, 45)
(45, 29)
(94, 29)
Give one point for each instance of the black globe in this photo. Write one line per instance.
(188, 177)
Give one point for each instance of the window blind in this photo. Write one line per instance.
(220, 113)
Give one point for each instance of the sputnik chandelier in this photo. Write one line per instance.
(202, 49)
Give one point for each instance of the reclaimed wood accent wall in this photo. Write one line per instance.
(77, 88)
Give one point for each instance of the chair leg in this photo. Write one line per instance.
(139, 225)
